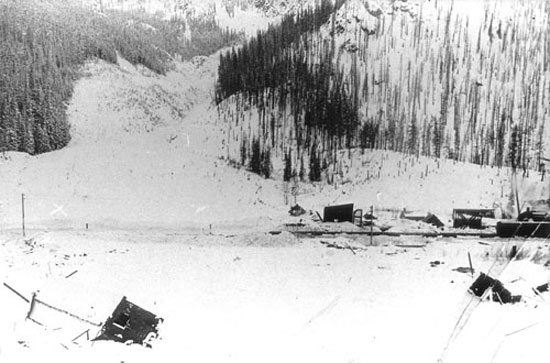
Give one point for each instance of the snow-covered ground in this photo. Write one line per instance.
(253, 297)
(139, 156)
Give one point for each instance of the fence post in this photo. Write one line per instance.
(371, 222)
(23, 212)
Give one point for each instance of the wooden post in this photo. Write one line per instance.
(23, 212)
(471, 267)
(371, 222)
(31, 306)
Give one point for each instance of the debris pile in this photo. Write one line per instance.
(296, 211)
(130, 324)
(485, 285)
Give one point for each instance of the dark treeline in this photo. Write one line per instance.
(44, 43)
(278, 70)
(262, 62)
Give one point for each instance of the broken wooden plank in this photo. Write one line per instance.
(16, 293)
(62, 311)
(350, 248)
(470, 261)
(411, 246)
(341, 246)
(32, 303)
(72, 273)
(87, 332)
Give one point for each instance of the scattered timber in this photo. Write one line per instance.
(393, 234)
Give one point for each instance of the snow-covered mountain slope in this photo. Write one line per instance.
(151, 150)
(435, 78)
(140, 155)
(146, 152)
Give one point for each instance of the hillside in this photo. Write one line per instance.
(154, 150)
(43, 45)
(147, 151)
(432, 80)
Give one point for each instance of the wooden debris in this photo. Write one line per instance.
(350, 248)
(342, 246)
(35, 301)
(470, 261)
(31, 307)
(464, 270)
(87, 332)
(411, 246)
(16, 292)
(72, 273)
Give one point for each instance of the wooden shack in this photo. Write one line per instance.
(338, 213)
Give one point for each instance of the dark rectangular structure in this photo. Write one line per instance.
(523, 229)
(338, 213)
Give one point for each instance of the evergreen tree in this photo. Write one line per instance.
(255, 163)
(413, 137)
(314, 165)
(266, 164)
(514, 149)
(287, 174)
(41, 54)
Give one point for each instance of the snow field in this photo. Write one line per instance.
(225, 299)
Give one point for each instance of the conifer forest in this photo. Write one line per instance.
(313, 85)
(317, 84)
(43, 44)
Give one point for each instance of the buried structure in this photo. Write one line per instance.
(471, 218)
(130, 323)
(498, 292)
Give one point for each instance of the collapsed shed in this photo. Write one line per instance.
(130, 323)
(471, 218)
(498, 291)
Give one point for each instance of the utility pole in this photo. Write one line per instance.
(23, 212)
